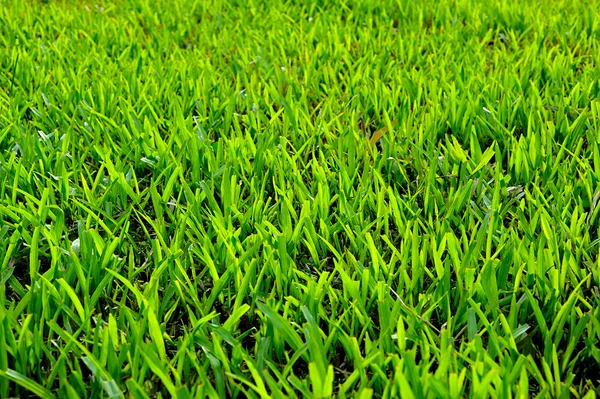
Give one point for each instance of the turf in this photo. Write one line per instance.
(370, 199)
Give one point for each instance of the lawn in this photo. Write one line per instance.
(344, 198)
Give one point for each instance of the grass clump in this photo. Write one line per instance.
(301, 199)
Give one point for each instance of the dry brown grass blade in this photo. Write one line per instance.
(379, 134)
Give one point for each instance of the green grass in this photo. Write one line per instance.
(370, 199)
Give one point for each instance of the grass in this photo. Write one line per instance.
(370, 199)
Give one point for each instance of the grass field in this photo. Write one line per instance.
(370, 199)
